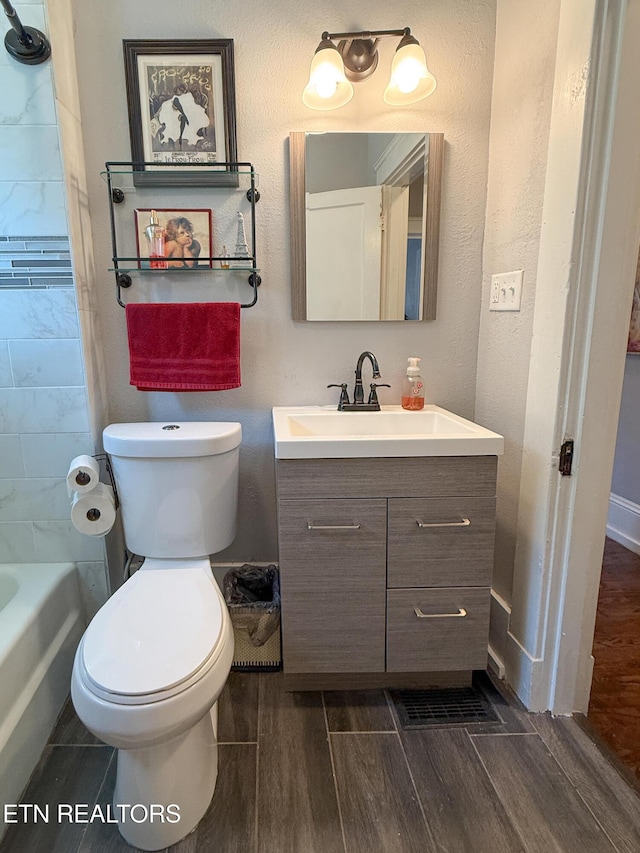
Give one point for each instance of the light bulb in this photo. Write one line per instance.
(407, 75)
(326, 86)
(410, 79)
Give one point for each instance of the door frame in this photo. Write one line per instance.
(588, 253)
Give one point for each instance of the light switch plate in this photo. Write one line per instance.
(506, 291)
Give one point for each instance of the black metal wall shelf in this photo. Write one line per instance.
(128, 177)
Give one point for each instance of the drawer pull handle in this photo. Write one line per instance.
(311, 526)
(464, 523)
(461, 613)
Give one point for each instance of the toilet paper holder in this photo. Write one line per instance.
(102, 457)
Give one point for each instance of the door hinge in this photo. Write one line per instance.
(566, 457)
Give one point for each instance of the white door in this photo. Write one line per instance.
(344, 251)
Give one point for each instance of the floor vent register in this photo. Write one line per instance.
(421, 709)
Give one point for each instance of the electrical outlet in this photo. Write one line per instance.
(506, 291)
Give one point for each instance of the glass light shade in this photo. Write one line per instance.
(328, 88)
(410, 79)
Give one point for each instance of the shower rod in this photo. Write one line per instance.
(26, 44)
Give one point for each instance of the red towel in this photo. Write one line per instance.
(186, 346)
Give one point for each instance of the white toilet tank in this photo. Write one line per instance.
(177, 486)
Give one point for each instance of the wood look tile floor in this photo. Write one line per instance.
(614, 706)
(333, 772)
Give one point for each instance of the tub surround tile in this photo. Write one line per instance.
(38, 410)
(52, 244)
(31, 99)
(39, 314)
(46, 363)
(32, 156)
(35, 207)
(11, 461)
(49, 454)
(33, 500)
(6, 377)
(17, 542)
(59, 541)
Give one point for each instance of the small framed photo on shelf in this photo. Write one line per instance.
(182, 112)
(174, 239)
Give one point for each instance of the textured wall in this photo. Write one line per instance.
(521, 109)
(285, 362)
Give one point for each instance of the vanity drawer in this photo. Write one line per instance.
(437, 629)
(332, 577)
(440, 542)
(411, 476)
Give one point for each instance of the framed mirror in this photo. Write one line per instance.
(365, 225)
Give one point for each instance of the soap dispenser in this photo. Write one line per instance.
(413, 387)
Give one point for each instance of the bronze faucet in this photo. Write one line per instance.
(358, 405)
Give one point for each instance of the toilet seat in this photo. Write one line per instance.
(155, 637)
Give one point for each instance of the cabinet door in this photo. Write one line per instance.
(435, 630)
(441, 541)
(332, 576)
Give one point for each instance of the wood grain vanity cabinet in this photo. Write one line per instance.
(385, 569)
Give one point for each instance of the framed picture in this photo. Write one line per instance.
(173, 239)
(181, 100)
(633, 344)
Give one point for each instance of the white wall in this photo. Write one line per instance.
(285, 362)
(526, 38)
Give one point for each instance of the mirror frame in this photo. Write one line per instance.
(297, 187)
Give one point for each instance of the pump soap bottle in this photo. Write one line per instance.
(413, 387)
(154, 233)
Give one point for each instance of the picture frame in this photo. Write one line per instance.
(633, 342)
(178, 225)
(182, 111)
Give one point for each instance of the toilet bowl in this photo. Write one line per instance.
(152, 663)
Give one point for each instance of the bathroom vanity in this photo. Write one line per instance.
(385, 561)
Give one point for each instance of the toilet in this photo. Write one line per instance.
(153, 661)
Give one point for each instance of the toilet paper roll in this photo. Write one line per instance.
(94, 513)
(83, 474)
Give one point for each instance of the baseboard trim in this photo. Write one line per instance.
(623, 523)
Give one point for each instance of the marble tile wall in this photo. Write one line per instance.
(43, 424)
(44, 407)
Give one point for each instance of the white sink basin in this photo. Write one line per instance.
(322, 432)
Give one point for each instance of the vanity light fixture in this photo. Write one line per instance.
(335, 68)
(26, 44)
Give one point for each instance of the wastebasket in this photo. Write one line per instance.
(252, 594)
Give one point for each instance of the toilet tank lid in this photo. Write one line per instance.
(172, 438)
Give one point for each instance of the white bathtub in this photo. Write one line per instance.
(41, 623)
